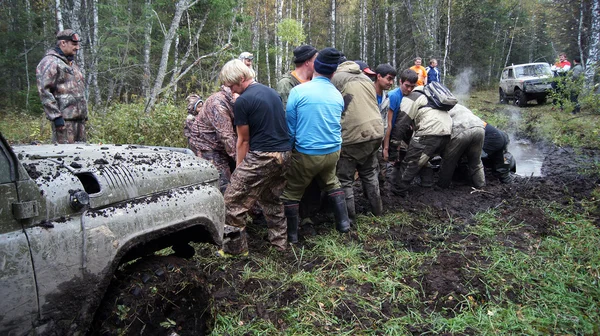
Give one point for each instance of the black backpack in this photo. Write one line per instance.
(439, 97)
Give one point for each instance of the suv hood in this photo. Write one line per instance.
(110, 173)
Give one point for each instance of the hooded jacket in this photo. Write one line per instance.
(285, 85)
(361, 120)
(463, 119)
(61, 87)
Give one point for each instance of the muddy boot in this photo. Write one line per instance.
(291, 214)
(351, 208)
(374, 197)
(340, 211)
(235, 242)
(426, 177)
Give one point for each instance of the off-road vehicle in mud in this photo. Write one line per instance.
(70, 215)
(525, 82)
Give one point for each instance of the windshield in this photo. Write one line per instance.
(535, 70)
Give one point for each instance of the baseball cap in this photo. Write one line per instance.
(246, 55)
(68, 35)
(364, 67)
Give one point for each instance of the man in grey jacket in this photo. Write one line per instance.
(468, 134)
(431, 132)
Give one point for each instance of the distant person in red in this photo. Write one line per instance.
(563, 65)
(560, 69)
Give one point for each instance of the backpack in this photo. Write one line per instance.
(439, 96)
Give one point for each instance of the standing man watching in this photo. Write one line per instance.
(577, 78)
(304, 58)
(314, 110)
(421, 72)
(61, 87)
(362, 132)
(247, 58)
(433, 73)
(262, 155)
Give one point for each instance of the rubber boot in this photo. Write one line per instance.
(337, 199)
(351, 208)
(373, 195)
(291, 214)
(426, 177)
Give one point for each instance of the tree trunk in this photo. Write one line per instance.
(394, 34)
(147, 46)
(58, 14)
(594, 47)
(386, 32)
(447, 44)
(512, 38)
(180, 7)
(94, 53)
(279, 42)
(332, 24)
(266, 40)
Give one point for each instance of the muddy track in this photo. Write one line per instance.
(452, 274)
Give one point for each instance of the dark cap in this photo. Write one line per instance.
(364, 67)
(327, 61)
(68, 35)
(303, 53)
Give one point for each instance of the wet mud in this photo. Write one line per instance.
(439, 218)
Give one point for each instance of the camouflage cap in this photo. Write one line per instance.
(193, 101)
(68, 35)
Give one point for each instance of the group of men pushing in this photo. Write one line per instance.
(334, 122)
(327, 121)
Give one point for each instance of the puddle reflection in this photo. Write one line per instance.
(529, 158)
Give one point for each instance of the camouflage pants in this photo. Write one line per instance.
(223, 163)
(74, 131)
(259, 178)
(468, 143)
(420, 150)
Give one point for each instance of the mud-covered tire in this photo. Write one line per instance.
(155, 293)
(502, 97)
(520, 98)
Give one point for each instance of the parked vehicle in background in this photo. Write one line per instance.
(70, 215)
(524, 82)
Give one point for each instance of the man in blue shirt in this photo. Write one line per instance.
(313, 112)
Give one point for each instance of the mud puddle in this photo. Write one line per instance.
(528, 156)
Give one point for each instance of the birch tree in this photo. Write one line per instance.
(594, 49)
(180, 7)
(332, 24)
(58, 14)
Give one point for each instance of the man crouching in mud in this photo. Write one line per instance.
(432, 129)
(262, 157)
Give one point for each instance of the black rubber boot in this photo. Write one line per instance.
(340, 211)
(291, 213)
(374, 196)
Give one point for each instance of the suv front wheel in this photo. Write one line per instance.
(520, 98)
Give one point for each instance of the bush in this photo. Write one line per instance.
(128, 124)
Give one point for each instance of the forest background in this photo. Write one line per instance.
(143, 53)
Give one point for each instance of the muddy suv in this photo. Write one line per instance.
(70, 215)
(525, 82)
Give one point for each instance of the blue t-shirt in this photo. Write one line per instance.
(314, 113)
(261, 109)
(395, 100)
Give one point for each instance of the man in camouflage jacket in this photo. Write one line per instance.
(62, 90)
(213, 134)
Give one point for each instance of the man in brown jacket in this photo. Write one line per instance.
(62, 90)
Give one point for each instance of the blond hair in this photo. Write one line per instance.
(234, 72)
